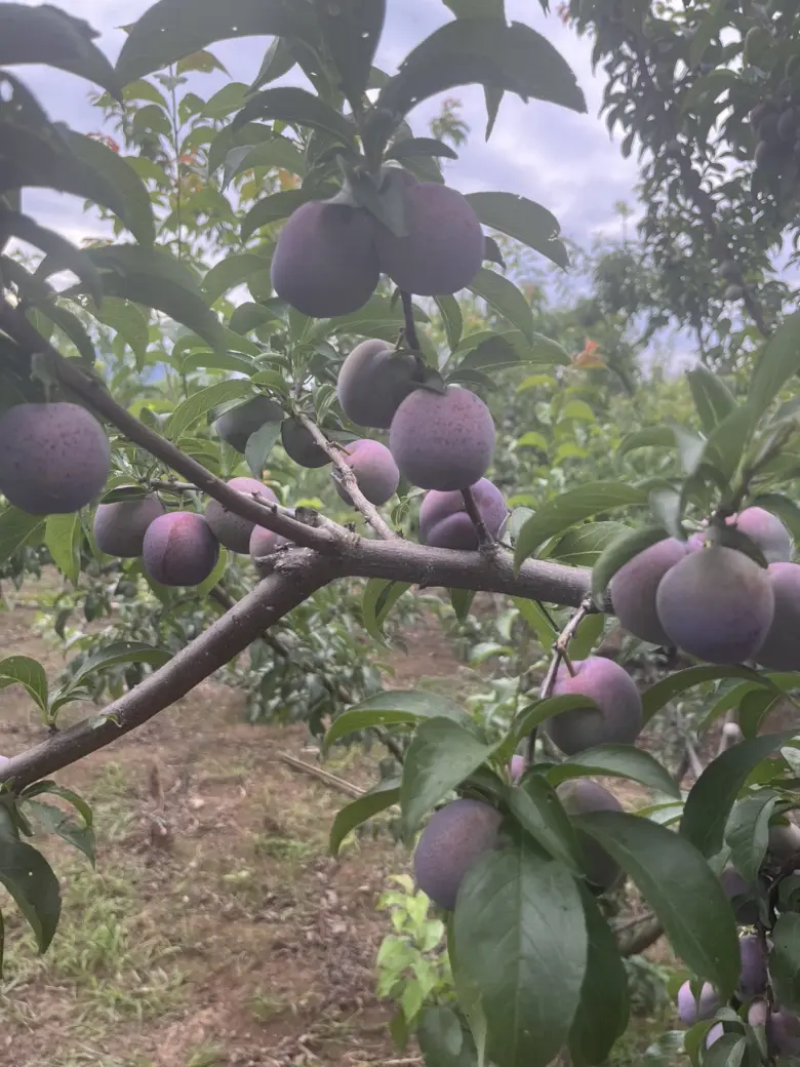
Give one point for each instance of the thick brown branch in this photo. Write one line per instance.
(17, 326)
(295, 578)
(350, 482)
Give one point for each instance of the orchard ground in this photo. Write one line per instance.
(216, 930)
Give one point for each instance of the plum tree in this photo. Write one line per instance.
(444, 522)
(781, 648)
(443, 250)
(581, 796)
(179, 549)
(299, 445)
(442, 441)
(717, 604)
(767, 531)
(753, 977)
(691, 1009)
(231, 530)
(743, 901)
(54, 458)
(237, 425)
(264, 542)
(325, 263)
(456, 836)
(119, 528)
(375, 470)
(633, 589)
(617, 718)
(373, 382)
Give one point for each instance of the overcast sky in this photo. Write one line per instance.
(566, 162)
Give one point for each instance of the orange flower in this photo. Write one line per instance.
(588, 357)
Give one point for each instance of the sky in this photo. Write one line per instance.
(564, 161)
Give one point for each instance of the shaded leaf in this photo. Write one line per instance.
(299, 108)
(619, 761)
(29, 879)
(17, 529)
(505, 298)
(660, 694)
(61, 254)
(523, 220)
(780, 360)
(784, 961)
(535, 805)
(747, 833)
(383, 796)
(380, 596)
(27, 672)
(620, 552)
(652, 437)
(387, 709)
(199, 404)
(55, 821)
(232, 271)
(63, 537)
(452, 318)
(712, 398)
(351, 30)
(117, 653)
(259, 445)
(273, 208)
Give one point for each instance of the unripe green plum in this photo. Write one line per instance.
(633, 589)
(54, 458)
(232, 530)
(617, 719)
(179, 549)
(717, 605)
(753, 976)
(454, 839)
(325, 263)
(300, 446)
(444, 440)
(692, 1011)
(119, 528)
(264, 542)
(375, 470)
(744, 904)
(443, 250)
(373, 382)
(781, 648)
(444, 522)
(581, 796)
(238, 424)
(767, 531)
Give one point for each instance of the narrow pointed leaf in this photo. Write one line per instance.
(29, 879)
(63, 537)
(199, 404)
(18, 528)
(351, 30)
(27, 672)
(299, 108)
(380, 798)
(660, 694)
(618, 761)
(505, 298)
(387, 709)
(523, 220)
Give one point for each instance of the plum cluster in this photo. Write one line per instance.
(464, 830)
(330, 256)
(715, 602)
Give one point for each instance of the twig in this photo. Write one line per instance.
(485, 539)
(647, 917)
(350, 482)
(324, 776)
(560, 646)
(410, 330)
(17, 326)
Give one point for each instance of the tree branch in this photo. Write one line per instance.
(16, 325)
(350, 482)
(410, 330)
(297, 575)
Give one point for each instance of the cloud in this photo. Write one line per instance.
(558, 158)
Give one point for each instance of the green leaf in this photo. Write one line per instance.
(712, 398)
(129, 322)
(23, 670)
(351, 30)
(196, 406)
(747, 833)
(17, 529)
(452, 318)
(728, 441)
(259, 445)
(572, 507)
(523, 220)
(416, 147)
(604, 1009)
(378, 799)
(380, 596)
(164, 34)
(29, 879)
(679, 886)
(442, 1039)
(506, 299)
(711, 798)
(521, 937)
(61, 254)
(582, 545)
(535, 805)
(537, 620)
(117, 653)
(660, 694)
(711, 22)
(653, 437)
(487, 51)
(461, 599)
(233, 271)
(298, 108)
(542, 710)
(136, 211)
(273, 208)
(216, 575)
(46, 34)
(278, 60)
(779, 361)
(587, 635)
(620, 761)
(63, 538)
(441, 755)
(55, 821)
(620, 552)
(388, 709)
(532, 439)
(784, 961)
(277, 153)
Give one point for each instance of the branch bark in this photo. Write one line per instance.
(350, 482)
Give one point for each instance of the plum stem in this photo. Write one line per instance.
(410, 329)
(349, 481)
(485, 539)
